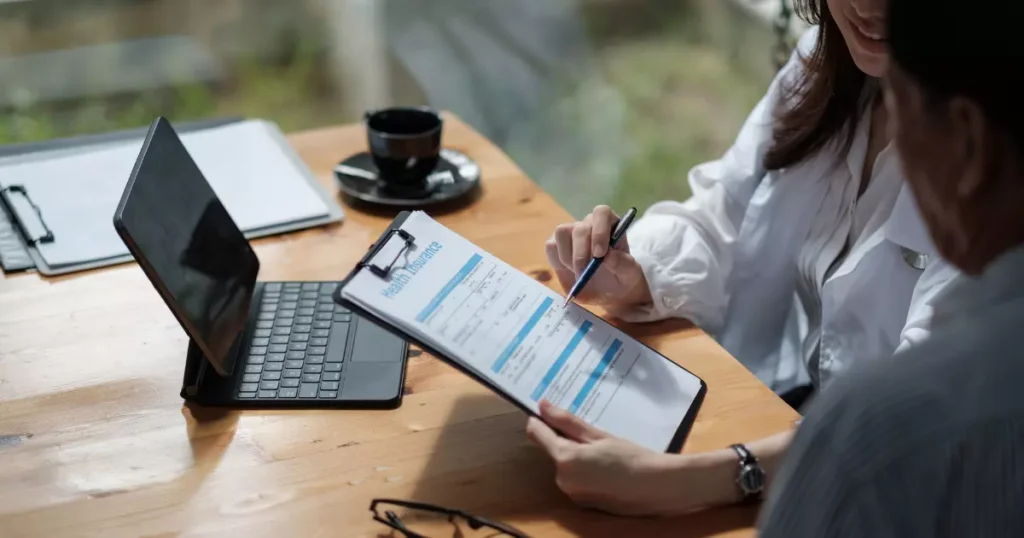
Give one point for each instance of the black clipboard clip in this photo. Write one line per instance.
(16, 219)
(383, 271)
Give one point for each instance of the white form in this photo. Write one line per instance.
(512, 330)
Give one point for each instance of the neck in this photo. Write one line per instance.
(996, 231)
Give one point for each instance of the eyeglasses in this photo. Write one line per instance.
(420, 515)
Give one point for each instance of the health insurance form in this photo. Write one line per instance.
(512, 330)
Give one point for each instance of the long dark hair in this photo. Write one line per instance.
(822, 106)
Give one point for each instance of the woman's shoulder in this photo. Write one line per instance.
(808, 40)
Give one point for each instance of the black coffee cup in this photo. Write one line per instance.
(405, 143)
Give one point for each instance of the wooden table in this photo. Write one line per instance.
(94, 439)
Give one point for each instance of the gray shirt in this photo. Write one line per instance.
(927, 443)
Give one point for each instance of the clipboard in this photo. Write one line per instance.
(26, 228)
(16, 252)
(382, 267)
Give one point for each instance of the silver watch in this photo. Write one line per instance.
(750, 479)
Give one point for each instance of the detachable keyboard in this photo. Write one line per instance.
(298, 346)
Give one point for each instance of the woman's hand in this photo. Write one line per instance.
(600, 471)
(619, 281)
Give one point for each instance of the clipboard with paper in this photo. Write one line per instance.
(509, 332)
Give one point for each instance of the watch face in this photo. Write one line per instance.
(751, 479)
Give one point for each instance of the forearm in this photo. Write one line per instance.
(709, 479)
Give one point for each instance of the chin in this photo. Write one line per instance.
(871, 65)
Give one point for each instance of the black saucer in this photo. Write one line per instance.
(456, 175)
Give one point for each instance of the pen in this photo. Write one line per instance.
(618, 231)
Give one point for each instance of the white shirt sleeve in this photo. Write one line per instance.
(937, 278)
(686, 248)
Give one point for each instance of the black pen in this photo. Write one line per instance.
(618, 231)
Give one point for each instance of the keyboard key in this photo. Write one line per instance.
(307, 303)
(294, 355)
(282, 331)
(293, 363)
(260, 341)
(267, 394)
(305, 311)
(320, 333)
(248, 387)
(246, 394)
(277, 348)
(310, 378)
(290, 383)
(271, 376)
(318, 342)
(290, 296)
(273, 286)
(312, 368)
(287, 393)
(285, 313)
(258, 350)
(289, 305)
(273, 367)
(300, 337)
(323, 315)
(253, 368)
(264, 324)
(268, 385)
(338, 309)
(333, 367)
(308, 295)
(297, 346)
(325, 298)
(292, 373)
(304, 320)
(251, 378)
(325, 307)
(326, 385)
(261, 333)
(307, 390)
(310, 286)
(314, 359)
(271, 296)
(265, 316)
(332, 376)
(328, 287)
(321, 324)
(305, 328)
(292, 285)
(275, 357)
(268, 307)
(317, 350)
(255, 359)
(342, 317)
(283, 322)
(279, 339)
(328, 394)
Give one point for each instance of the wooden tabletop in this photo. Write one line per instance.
(94, 439)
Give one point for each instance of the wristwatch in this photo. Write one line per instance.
(751, 476)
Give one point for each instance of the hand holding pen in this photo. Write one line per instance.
(614, 278)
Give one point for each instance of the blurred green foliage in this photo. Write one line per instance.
(687, 73)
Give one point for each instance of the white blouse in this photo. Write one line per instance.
(749, 257)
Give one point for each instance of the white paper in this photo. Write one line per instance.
(513, 331)
(77, 194)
